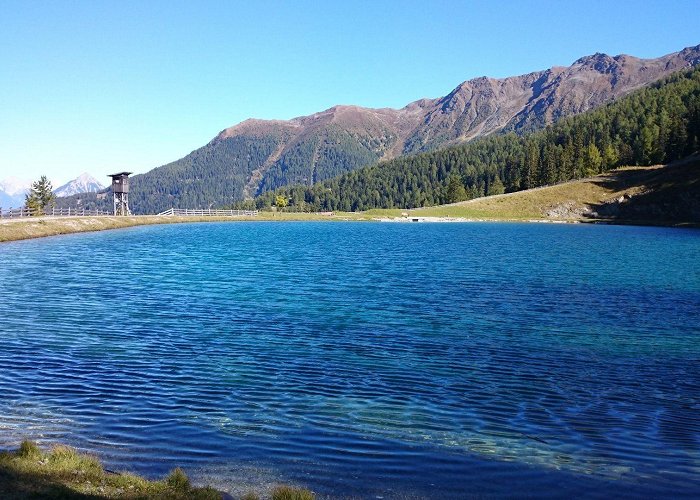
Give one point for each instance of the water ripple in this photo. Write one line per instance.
(390, 360)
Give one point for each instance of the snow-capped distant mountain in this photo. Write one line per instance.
(83, 184)
(12, 191)
(14, 185)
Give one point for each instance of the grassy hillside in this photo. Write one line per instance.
(667, 195)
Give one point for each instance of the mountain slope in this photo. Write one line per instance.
(256, 156)
(659, 123)
(85, 183)
(668, 195)
(484, 105)
(8, 201)
(12, 191)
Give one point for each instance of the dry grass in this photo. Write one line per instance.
(575, 198)
(530, 204)
(38, 227)
(523, 205)
(284, 492)
(65, 473)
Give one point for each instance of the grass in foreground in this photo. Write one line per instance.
(63, 473)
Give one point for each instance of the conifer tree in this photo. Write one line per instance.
(455, 190)
(40, 196)
(496, 187)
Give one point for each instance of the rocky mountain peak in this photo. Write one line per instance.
(84, 183)
(599, 62)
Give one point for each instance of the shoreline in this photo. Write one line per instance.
(65, 472)
(42, 227)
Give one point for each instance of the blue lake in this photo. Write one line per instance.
(364, 359)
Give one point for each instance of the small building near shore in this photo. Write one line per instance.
(120, 188)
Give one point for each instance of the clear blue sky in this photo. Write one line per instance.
(103, 86)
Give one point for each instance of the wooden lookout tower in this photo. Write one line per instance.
(120, 188)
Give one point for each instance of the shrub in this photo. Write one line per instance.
(178, 480)
(28, 449)
(61, 453)
(291, 493)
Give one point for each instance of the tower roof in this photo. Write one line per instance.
(120, 174)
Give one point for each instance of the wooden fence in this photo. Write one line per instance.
(186, 212)
(8, 213)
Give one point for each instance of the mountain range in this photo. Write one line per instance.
(84, 183)
(659, 123)
(12, 191)
(256, 156)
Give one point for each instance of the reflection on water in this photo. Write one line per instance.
(364, 359)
